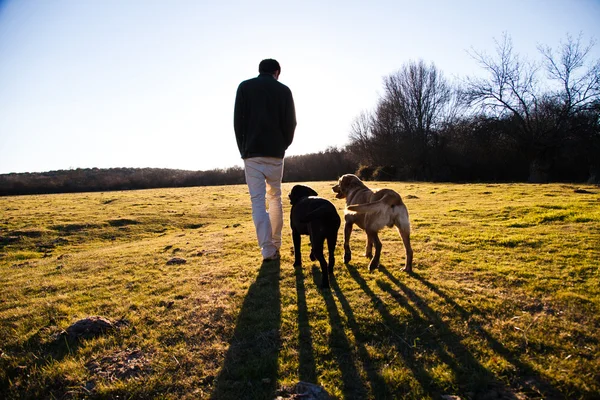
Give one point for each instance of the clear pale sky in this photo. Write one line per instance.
(144, 83)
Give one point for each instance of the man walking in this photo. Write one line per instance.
(264, 122)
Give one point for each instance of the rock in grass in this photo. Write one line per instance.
(89, 327)
(93, 326)
(303, 390)
(176, 261)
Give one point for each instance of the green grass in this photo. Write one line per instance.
(504, 301)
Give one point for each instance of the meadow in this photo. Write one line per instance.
(504, 301)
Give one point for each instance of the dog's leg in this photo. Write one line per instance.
(405, 234)
(403, 226)
(318, 252)
(297, 254)
(331, 241)
(347, 233)
(374, 237)
(310, 235)
(369, 248)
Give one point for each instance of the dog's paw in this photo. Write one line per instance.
(407, 270)
(369, 255)
(373, 267)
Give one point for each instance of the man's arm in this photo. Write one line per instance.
(238, 119)
(289, 120)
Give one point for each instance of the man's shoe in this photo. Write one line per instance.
(274, 257)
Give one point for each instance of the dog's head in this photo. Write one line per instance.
(299, 192)
(345, 184)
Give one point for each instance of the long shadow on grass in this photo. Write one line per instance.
(353, 386)
(250, 369)
(436, 338)
(528, 380)
(402, 346)
(379, 388)
(307, 369)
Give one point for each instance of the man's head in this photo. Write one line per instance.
(269, 66)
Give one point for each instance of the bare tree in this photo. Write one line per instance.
(361, 136)
(510, 88)
(578, 83)
(513, 91)
(403, 127)
(576, 95)
(418, 94)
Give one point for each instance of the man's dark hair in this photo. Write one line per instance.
(269, 66)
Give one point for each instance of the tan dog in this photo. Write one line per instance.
(372, 211)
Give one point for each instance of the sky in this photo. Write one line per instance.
(149, 83)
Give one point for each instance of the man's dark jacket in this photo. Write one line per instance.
(264, 118)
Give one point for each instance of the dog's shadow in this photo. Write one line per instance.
(353, 385)
(307, 368)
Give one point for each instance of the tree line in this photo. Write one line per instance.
(326, 165)
(94, 180)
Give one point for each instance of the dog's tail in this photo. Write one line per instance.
(383, 204)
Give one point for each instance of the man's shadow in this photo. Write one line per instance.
(250, 369)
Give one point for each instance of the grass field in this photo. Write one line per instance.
(504, 301)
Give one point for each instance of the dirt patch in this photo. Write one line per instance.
(30, 233)
(120, 365)
(6, 240)
(22, 265)
(72, 228)
(193, 226)
(52, 244)
(211, 252)
(123, 222)
(583, 191)
(19, 235)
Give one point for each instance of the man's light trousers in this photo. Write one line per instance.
(263, 176)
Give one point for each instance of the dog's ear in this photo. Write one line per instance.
(293, 195)
(304, 191)
(345, 182)
(311, 192)
(350, 180)
(300, 191)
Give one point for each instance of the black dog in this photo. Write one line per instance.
(318, 218)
